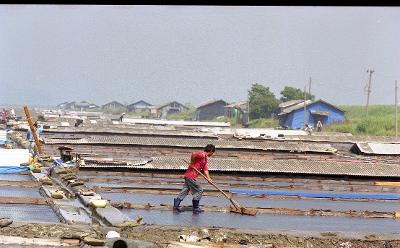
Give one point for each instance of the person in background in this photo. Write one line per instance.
(29, 136)
(319, 126)
(122, 117)
(198, 161)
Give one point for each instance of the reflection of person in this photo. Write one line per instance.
(29, 136)
(198, 161)
(319, 126)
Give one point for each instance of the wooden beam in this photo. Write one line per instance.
(9, 240)
(33, 129)
(24, 200)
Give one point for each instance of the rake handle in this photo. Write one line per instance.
(213, 184)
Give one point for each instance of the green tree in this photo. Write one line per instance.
(262, 102)
(291, 93)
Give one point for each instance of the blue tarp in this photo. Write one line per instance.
(12, 169)
(317, 195)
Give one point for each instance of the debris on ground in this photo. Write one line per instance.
(5, 222)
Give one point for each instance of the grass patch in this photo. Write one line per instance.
(380, 120)
(184, 115)
(264, 123)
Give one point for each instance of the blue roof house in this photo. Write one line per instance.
(292, 113)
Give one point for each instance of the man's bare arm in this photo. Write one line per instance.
(207, 175)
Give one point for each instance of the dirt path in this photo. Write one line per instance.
(165, 236)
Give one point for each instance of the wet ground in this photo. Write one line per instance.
(314, 194)
(23, 189)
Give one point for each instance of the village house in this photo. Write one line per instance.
(161, 111)
(113, 105)
(210, 110)
(138, 106)
(237, 112)
(292, 113)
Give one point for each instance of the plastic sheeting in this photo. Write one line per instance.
(317, 195)
(13, 157)
(12, 169)
(305, 204)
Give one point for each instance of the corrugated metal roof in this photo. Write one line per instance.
(130, 131)
(210, 102)
(176, 123)
(199, 143)
(301, 105)
(289, 103)
(269, 166)
(379, 148)
(294, 107)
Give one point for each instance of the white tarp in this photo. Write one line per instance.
(13, 157)
(380, 148)
(265, 132)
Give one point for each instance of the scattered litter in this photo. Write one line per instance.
(202, 235)
(345, 245)
(98, 203)
(57, 194)
(131, 223)
(45, 180)
(94, 241)
(113, 234)
(189, 238)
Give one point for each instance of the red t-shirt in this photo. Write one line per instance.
(200, 163)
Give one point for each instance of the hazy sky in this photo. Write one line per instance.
(50, 54)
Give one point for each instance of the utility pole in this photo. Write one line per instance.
(368, 90)
(309, 87)
(248, 108)
(395, 104)
(305, 114)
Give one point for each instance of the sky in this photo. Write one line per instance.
(50, 54)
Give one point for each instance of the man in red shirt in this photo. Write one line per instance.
(198, 161)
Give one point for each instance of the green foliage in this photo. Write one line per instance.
(264, 123)
(222, 119)
(380, 120)
(291, 93)
(262, 102)
(184, 115)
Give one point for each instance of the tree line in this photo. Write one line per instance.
(264, 104)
